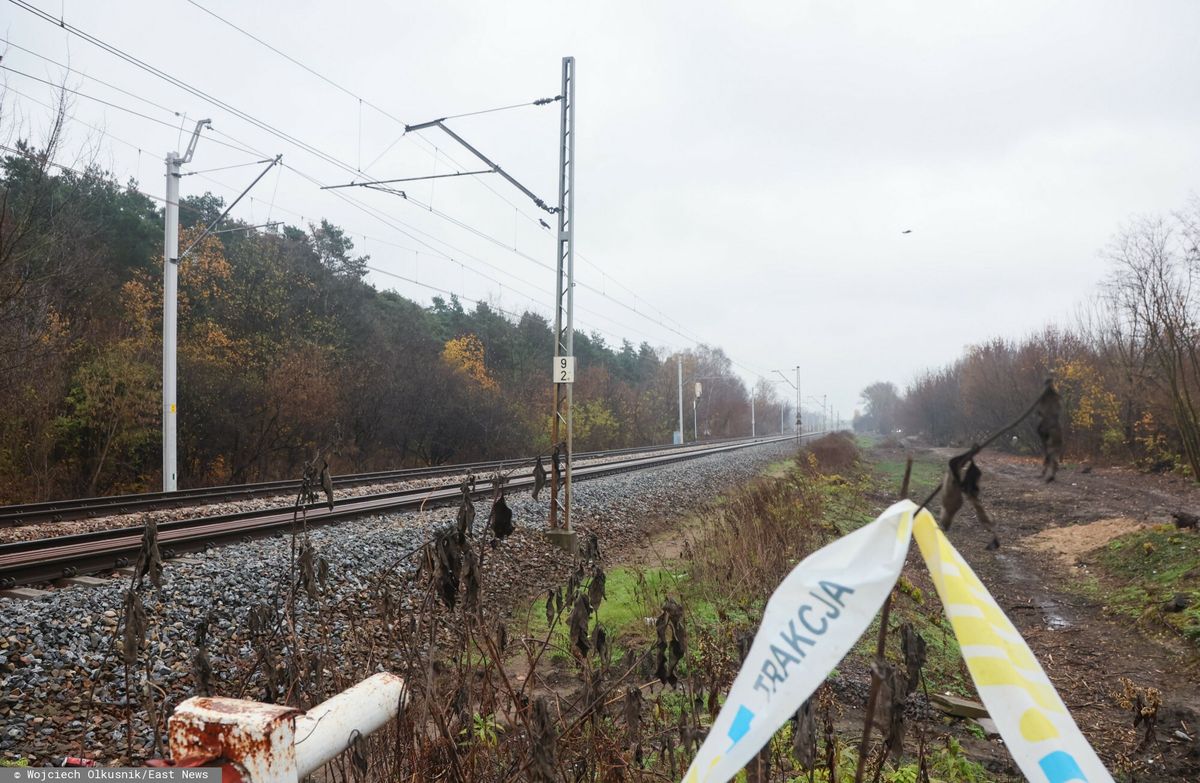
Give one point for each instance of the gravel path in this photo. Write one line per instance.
(55, 649)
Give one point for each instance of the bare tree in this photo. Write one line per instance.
(1156, 316)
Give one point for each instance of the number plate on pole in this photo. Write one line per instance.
(564, 369)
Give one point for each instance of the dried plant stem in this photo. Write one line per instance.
(978, 447)
(880, 646)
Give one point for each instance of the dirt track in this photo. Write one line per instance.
(1083, 649)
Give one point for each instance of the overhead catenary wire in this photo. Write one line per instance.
(115, 51)
(538, 102)
(195, 91)
(330, 158)
(351, 93)
(95, 79)
(498, 282)
(389, 115)
(215, 101)
(103, 132)
(503, 286)
(226, 168)
(110, 104)
(241, 147)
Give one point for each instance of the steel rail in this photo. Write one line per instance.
(84, 508)
(28, 562)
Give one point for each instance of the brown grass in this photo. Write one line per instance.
(835, 453)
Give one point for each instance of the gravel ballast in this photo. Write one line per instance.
(55, 650)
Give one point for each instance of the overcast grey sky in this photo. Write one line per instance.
(746, 168)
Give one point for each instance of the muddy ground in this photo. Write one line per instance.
(1038, 576)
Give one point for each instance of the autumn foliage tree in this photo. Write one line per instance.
(285, 351)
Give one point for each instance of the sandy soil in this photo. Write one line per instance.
(1070, 542)
(1045, 528)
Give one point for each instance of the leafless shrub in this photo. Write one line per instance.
(835, 453)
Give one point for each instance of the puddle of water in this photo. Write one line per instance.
(1054, 615)
(1054, 621)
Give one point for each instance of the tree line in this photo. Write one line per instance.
(285, 351)
(1128, 368)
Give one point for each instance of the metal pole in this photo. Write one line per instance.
(170, 472)
(564, 310)
(170, 302)
(695, 431)
(752, 430)
(799, 418)
(679, 360)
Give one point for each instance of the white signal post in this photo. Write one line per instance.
(170, 476)
(679, 365)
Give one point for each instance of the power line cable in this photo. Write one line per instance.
(89, 77)
(195, 91)
(97, 129)
(376, 107)
(115, 51)
(110, 104)
(389, 115)
(538, 102)
(535, 301)
(503, 286)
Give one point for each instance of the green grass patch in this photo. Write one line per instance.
(631, 595)
(926, 474)
(779, 469)
(865, 442)
(1152, 566)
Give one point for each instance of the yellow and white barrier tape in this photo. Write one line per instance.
(826, 603)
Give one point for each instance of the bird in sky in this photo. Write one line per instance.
(906, 231)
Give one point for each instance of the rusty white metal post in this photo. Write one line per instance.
(326, 729)
(269, 743)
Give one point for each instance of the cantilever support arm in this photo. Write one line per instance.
(191, 150)
(209, 228)
(494, 166)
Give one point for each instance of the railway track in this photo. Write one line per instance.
(47, 559)
(85, 508)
